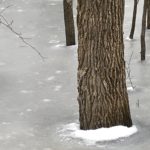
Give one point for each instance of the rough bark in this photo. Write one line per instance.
(148, 15)
(69, 22)
(133, 19)
(143, 45)
(103, 98)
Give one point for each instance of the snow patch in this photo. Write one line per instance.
(28, 110)
(57, 88)
(2, 64)
(6, 123)
(58, 72)
(53, 42)
(60, 45)
(130, 88)
(128, 39)
(46, 100)
(26, 91)
(20, 10)
(90, 137)
(52, 4)
(51, 78)
(2, 8)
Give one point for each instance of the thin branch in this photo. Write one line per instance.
(129, 71)
(1, 12)
(8, 24)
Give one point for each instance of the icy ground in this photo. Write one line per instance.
(37, 98)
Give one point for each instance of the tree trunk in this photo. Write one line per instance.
(69, 22)
(143, 46)
(148, 15)
(103, 98)
(133, 19)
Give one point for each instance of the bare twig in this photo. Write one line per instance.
(8, 24)
(1, 12)
(138, 103)
(129, 71)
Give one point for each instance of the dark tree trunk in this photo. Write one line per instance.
(103, 98)
(133, 19)
(143, 45)
(69, 22)
(148, 15)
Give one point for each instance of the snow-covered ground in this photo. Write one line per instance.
(91, 137)
(38, 98)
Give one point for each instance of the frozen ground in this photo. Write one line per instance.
(38, 98)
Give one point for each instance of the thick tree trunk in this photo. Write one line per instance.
(143, 45)
(133, 19)
(148, 15)
(69, 22)
(103, 98)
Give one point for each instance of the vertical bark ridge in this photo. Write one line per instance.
(103, 98)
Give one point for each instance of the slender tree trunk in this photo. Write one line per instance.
(148, 15)
(143, 45)
(133, 19)
(103, 98)
(69, 22)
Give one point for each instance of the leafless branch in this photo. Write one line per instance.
(8, 24)
(128, 70)
(1, 12)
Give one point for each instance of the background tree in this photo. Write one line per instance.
(148, 14)
(69, 22)
(103, 98)
(143, 45)
(133, 19)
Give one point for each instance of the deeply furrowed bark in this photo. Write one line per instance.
(103, 98)
(69, 22)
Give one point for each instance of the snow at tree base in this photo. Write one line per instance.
(39, 99)
(102, 134)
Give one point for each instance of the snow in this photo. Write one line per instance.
(26, 91)
(28, 110)
(90, 137)
(2, 63)
(20, 10)
(53, 41)
(128, 39)
(57, 88)
(58, 72)
(130, 88)
(51, 78)
(46, 100)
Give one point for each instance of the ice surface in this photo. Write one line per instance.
(32, 107)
